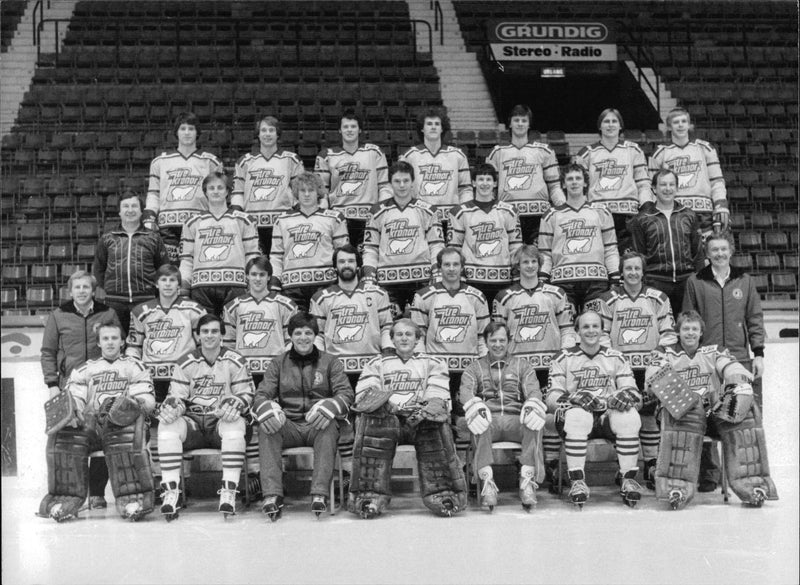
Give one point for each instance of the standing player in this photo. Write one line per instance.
(174, 194)
(401, 241)
(487, 233)
(303, 242)
(441, 170)
(578, 244)
(618, 177)
(211, 390)
(354, 175)
(162, 331)
(638, 318)
(261, 180)
(528, 174)
(701, 186)
(593, 395)
(216, 245)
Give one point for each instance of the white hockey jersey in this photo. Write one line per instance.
(262, 184)
(98, 380)
(618, 178)
(527, 177)
(412, 381)
(442, 179)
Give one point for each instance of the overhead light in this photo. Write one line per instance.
(552, 72)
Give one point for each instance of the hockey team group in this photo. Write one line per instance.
(362, 305)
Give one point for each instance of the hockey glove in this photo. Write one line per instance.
(171, 409)
(735, 403)
(478, 415)
(371, 398)
(435, 410)
(124, 411)
(622, 400)
(230, 408)
(562, 406)
(60, 411)
(720, 219)
(270, 417)
(587, 401)
(533, 414)
(322, 413)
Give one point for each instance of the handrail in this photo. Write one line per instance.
(438, 20)
(40, 6)
(638, 59)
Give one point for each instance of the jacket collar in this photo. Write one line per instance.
(301, 359)
(98, 307)
(707, 273)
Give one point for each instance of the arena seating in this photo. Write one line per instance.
(11, 12)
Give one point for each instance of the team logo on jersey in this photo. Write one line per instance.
(349, 324)
(591, 378)
(487, 239)
(265, 184)
(632, 326)
(304, 241)
(452, 323)
(207, 390)
(401, 236)
(182, 184)
(611, 175)
(404, 388)
(531, 324)
(695, 379)
(686, 169)
(162, 337)
(434, 180)
(578, 237)
(351, 179)
(215, 244)
(519, 174)
(256, 330)
(108, 384)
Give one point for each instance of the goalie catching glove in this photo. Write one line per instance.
(622, 400)
(322, 413)
(478, 415)
(230, 408)
(371, 398)
(120, 411)
(735, 402)
(270, 416)
(171, 409)
(532, 414)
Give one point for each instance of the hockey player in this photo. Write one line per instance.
(441, 170)
(701, 186)
(174, 194)
(637, 318)
(302, 398)
(539, 319)
(667, 234)
(592, 395)
(618, 177)
(303, 242)
(401, 241)
(487, 233)
(210, 394)
(452, 317)
(503, 402)
(261, 181)
(528, 174)
(112, 396)
(216, 246)
(578, 243)
(354, 175)
(162, 331)
(712, 396)
(403, 399)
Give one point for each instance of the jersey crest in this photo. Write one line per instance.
(591, 378)
(206, 391)
(452, 322)
(404, 388)
(182, 184)
(265, 184)
(351, 179)
(107, 384)
(519, 174)
(695, 379)
(487, 239)
(305, 241)
(686, 170)
(531, 323)
(350, 324)
(611, 175)
(256, 330)
(401, 236)
(215, 244)
(578, 237)
(434, 180)
(633, 326)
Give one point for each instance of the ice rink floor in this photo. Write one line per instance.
(708, 542)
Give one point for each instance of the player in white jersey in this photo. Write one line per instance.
(487, 233)
(636, 319)
(527, 174)
(618, 177)
(441, 170)
(701, 186)
(355, 176)
(210, 394)
(261, 180)
(174, 194)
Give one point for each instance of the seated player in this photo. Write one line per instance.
(593, 395)
(405, 398)
(303, 395)
(713, 396)
(113, 396)
(503, 402)
(211, 391)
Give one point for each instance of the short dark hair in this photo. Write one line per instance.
(109, 323)
(261, 262)
(270, 121)
(449, 250)
(401, 166)
(608, 111)
(493, 327)
(351, 114)
(216, 175)
(662, 173)
(520, 110)
(433, 112)
(168, 270)
(347, 249)
(129, 194)
(209, 318)
(408, 322)
(576, 168)
(302, 319)
(484, 169)
(630, 255)
(530, 250)
(185, 118)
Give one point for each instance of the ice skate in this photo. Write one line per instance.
(578, 491)
(170, 497)
(630, 490)
(527, 489)
(758, 497)
(677, 499)
(489, 489)
(227, 499)
(273, 507)
(319, 504)
(649, 474)
(369, 510)
(449, 507)
(133, 512)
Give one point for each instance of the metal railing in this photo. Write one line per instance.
(438, 20)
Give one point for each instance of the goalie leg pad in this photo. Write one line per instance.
(373, 452)
(441, 477)
(67, 472)
(745, 452)
(129, 467)
(678, 462)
